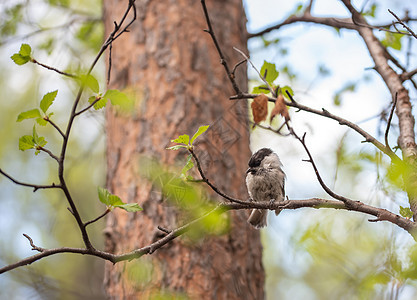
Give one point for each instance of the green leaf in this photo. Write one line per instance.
(129, 207)
(176, 147)
(23, 56)
(103, 195)
(406, 212)
(199, 132)
(19, 59)
(188, 165)
(38, 140)
(286, 89)
(41, 121)
(91, 82)
(99, 104)
(182, 139)
(47, 100)
(261, 89)
(392, 40)
(120, 99)
(111, 200)
(30, 114)
(269, 72)
(25, 50)
(26, 142)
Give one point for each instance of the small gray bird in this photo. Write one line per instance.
(265, 182)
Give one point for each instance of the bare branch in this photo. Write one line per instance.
(98, 218)
(222, 58)
(257, 71)
(53, 69)
(205, 179)
(325, 113)
(55, 126)
(389, 121)
(31, 185)
(403, 24)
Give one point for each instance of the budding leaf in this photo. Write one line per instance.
(26, 142)
(118, 98)
(182, 139)
(199, 132)
(176, 147)
(30, 114)
(129, 207)
(25, 50)
(23, 56)
(260, 89)
(406, 212)
(188, 165)
(91, 82)
(111, 201)
(47, 100)
(99, 104)
(269, 72)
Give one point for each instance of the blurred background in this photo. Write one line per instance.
(308, 254)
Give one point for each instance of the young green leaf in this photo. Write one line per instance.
(176, 147)
(188, 165)
(406, 212)
(30, 114)
(26, 142)
(47, 100)
(392, 40)
(199, 132)
(182, 139)
(129, 207)
(91, 82)
(286, 89)
(25, 50)
(103, 195)
(101, 102)
(260, 89)
(120, 99)
(41, 121)
(23, 56)
(269, 72)
(38, 140)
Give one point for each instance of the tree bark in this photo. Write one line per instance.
(174, 71)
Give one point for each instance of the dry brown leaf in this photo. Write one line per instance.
(280, 109)
(260, 108)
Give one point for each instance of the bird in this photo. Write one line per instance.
(265, 182)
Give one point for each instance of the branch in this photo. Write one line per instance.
(205, 179)
(98, 218)
(379, 213)
(389, 122)
(49, 152)
(257, 71)
(223, 61)
(325, 113)
(403, 24)
(53, 69)
(55, 126)
(31, 185)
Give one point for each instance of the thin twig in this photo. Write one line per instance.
(214, 188)
(55, 126)
(403, 24)
(49, 153)
(53, 69)
(88, 107)
(98, 218)
(34, 247)
(257, 71)
(31, 185)
(389, 121)
(345, 200)
(325, 113)
(219, 51)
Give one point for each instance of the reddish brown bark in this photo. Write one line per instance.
(179, 83)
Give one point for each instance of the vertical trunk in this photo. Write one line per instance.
(179, 83)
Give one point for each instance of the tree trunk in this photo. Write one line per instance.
(173, 69)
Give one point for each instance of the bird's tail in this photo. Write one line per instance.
(258, 218)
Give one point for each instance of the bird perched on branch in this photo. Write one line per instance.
(265, 182)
